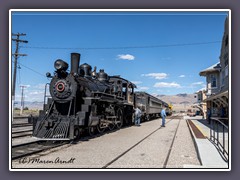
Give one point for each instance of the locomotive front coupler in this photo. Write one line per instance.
(49, 124)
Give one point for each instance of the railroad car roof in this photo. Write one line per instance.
(126, 81)
(142, 92)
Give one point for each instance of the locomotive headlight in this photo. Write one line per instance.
(60, 86)
(60, 65)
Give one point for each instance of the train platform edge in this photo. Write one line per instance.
(208, 154)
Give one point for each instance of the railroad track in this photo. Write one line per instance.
(16, 133)
(16, 125)
(27, 149)
(19, 134)
(136, 144)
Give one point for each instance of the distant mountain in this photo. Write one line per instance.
(161, 95)
(178, 98)
(182, 100)
(30, 105)
(182, 95)
(185, 102)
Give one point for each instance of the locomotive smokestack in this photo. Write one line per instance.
(75, 60)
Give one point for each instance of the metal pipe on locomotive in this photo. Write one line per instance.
(84, 99)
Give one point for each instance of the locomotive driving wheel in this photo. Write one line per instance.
(77, 133)
(119, 118)
(147, 117)
(92, 130)
(111, 126)
(101, 127)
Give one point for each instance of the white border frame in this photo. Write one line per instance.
(113, 10)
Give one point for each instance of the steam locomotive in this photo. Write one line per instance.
(83, 99)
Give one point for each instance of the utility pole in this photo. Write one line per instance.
(16, 55)
(22, 99)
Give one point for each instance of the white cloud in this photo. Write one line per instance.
(202, 89)
(142, 88)
(197, 83)
(40, 86)
(167, 85)
(154, 94)
(33, 93)
(156, 75)
(182, 76)
(26, 86)
(136, 82)
(126, 57)
(36, 93)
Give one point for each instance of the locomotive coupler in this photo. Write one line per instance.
(49, 124)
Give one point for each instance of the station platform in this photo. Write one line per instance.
(209, 155)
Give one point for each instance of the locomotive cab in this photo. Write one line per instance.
(123, 88)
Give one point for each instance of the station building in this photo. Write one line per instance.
(217, 79)
(201, 104)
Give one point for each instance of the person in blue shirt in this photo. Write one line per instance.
(163, 115)
(138, 114)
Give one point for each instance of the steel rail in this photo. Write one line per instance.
(21, 125)
(24, 131)
(27, 149)
(170, 149)
(122, 154)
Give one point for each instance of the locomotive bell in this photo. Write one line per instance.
(60, 65)
(75, 60)
(102, 76)
(86, 69)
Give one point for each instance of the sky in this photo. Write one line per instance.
(161, 52)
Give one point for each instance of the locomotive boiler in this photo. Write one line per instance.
(83, 99)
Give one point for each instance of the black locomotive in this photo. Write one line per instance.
(84, 99)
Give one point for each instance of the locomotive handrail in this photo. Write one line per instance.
(45, 92)
(215, 132)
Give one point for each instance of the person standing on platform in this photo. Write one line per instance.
(209, 115)
(137, 114)
(163, 115)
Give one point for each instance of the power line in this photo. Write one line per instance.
(32, 70)
(126, 47)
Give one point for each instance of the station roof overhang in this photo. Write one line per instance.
(214, 68)
(219, 98)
